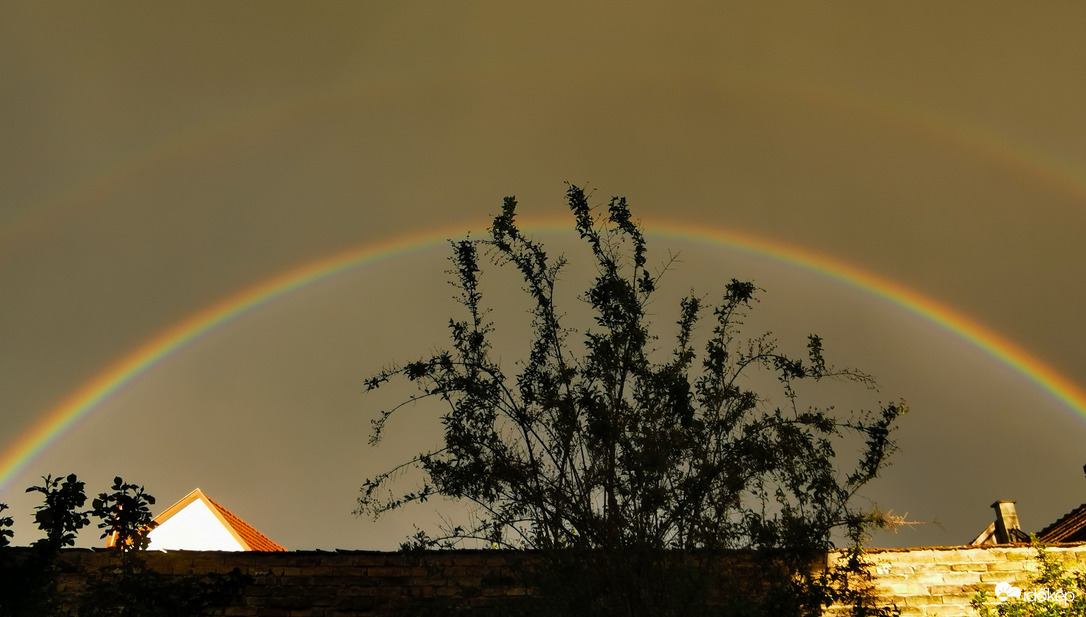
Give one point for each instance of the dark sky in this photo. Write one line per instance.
(156, 160)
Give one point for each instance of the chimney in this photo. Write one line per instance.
(1006, 522)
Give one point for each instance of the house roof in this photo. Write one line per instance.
(245, 534)
(1071, 527)
(252, 538)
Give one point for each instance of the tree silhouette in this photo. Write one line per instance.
(600, 447)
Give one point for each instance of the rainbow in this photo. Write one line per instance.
(35, 439)
(54, 423)
(951, 133)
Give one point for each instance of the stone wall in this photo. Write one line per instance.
(921, 582)
(940, 582)
(337, 583)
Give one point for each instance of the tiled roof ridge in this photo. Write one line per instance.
(1055, 529)
(256, 540)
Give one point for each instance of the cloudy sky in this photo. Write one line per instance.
(156, 162)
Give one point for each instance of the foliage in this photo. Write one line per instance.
(604, 446)
(5, 527)
(59, 517)
(28, 581)
(125, 515)
(1052, 591)
(26, 586)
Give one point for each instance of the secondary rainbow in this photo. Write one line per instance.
(949, 132)
(55, 422)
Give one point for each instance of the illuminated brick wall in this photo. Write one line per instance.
(940, 582)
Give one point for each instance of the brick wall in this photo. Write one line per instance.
(337, 583)
(940, 582)
(921, 582)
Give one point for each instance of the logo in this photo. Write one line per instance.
(1006, 591)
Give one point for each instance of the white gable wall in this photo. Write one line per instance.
(194, 528)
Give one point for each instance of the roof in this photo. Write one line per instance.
(255, 540)
(243, 533)
(1071, 527)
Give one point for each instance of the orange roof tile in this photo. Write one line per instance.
(253, 538)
